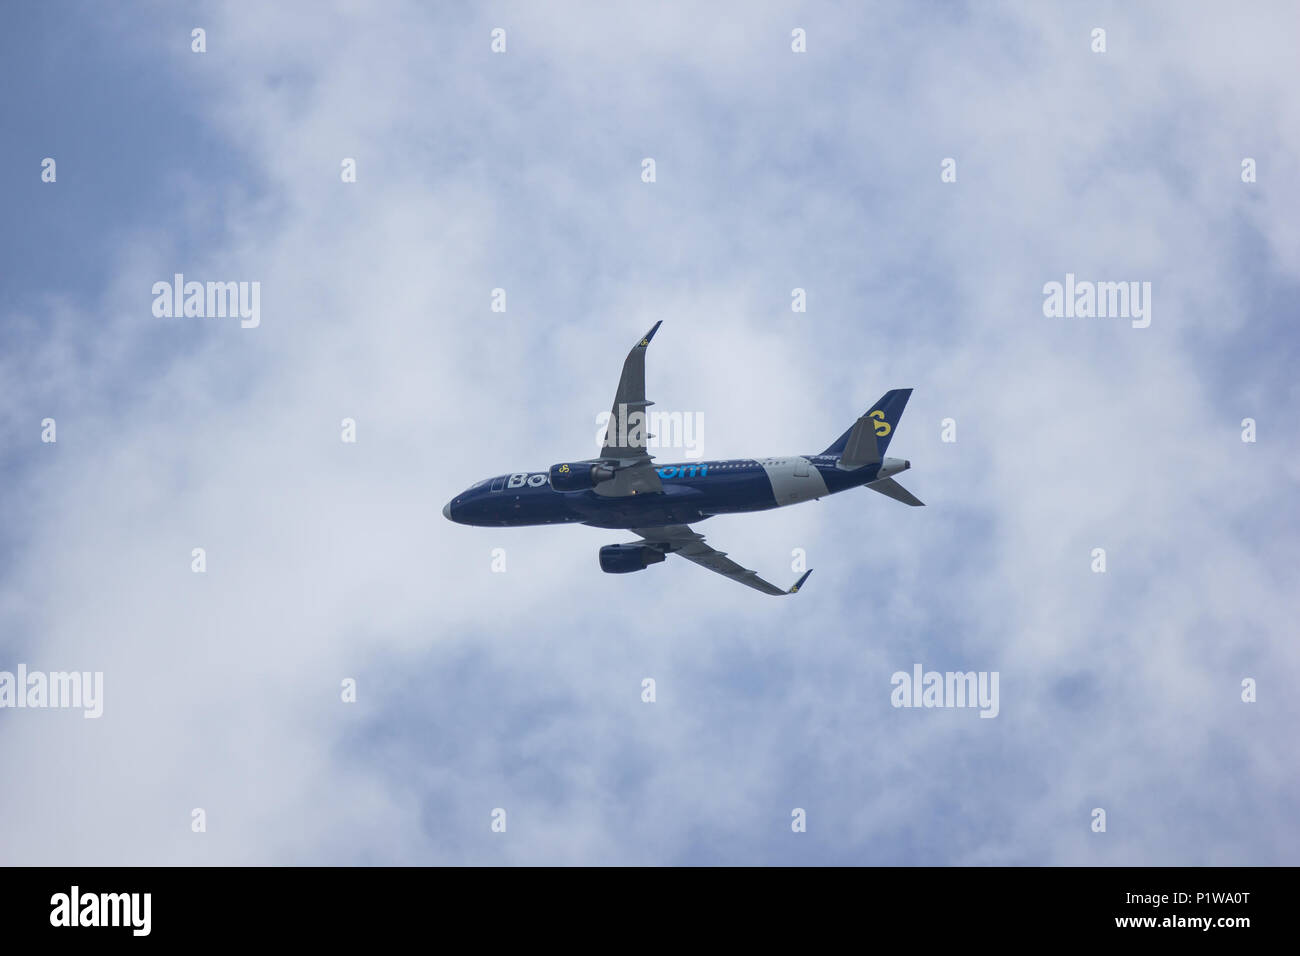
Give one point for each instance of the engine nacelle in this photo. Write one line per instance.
(622, 558)
(578, 476)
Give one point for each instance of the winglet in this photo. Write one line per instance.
(798, 584)
(645, 339)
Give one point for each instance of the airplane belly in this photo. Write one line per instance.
(676, 505)
(793, 480)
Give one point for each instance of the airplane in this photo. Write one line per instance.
(623, 489)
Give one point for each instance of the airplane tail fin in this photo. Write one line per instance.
(880, 423)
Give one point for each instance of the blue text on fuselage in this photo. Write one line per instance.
(683, 471)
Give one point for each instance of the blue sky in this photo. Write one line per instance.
(522, 689)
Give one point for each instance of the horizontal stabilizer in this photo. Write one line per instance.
(892, 489)
(860, 447)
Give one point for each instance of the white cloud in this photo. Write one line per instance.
(521, 690)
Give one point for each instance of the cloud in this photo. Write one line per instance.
(522, 690)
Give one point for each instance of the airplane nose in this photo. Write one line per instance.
(446, 511)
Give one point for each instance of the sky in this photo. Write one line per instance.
(478, 690)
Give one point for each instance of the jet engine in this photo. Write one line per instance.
(622, 558)
(577, 476)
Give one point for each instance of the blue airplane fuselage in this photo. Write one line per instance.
(692, 491)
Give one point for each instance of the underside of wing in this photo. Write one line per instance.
(679, 539)
(626, 435)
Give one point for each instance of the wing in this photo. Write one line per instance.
(681, 540)
(625, 437)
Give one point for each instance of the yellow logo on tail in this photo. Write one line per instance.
(883, 427)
